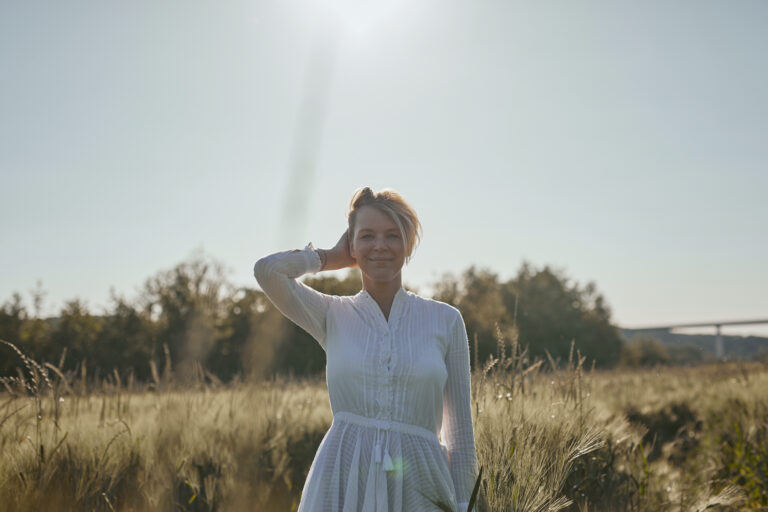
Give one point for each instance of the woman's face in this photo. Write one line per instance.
(377, 245)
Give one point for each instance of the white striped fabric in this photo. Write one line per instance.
(384, 377)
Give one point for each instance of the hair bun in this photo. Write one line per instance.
(362, 196)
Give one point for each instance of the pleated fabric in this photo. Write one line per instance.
(402, 438)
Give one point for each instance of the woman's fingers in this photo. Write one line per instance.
(347, 247)
(339, 256)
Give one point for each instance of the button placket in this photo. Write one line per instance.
(386, 354)
(385, 362)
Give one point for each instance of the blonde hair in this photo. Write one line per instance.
(393, 204)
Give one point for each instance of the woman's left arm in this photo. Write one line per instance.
(457, 431)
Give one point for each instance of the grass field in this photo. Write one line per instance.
(563, 439)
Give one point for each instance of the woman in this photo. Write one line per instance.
(397, 370)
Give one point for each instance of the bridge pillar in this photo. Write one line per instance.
(719, 348)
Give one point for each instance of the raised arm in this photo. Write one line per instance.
(304, 306)
(277, 273)
(457, 431)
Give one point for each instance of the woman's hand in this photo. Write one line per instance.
(338, 257)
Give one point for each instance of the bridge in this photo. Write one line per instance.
(719, 349)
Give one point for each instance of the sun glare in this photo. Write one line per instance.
(360, 17)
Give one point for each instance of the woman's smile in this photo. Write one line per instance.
(378, 246)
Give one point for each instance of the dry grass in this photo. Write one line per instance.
(549, 437)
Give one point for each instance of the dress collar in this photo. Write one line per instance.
(376, 316)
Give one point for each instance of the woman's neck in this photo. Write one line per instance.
(383, 292)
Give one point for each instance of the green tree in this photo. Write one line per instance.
(686, 354)
(479, 296)
(77, 331)
(13, 317)
(539, 306)
(350, 284)
(251, 330)
(27, 330)
(644, 350)
(553, 311)
(188, 308)
(125, 340)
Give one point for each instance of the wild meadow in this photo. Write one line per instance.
(551, 435)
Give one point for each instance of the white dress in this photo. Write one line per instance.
(393, 385)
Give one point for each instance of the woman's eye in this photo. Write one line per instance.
(393, 235)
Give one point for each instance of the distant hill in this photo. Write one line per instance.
(736, 347)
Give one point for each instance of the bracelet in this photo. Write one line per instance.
(323, 257)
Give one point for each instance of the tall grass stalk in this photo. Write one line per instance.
(549, 437)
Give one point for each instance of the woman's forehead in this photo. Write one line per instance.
(372, 218)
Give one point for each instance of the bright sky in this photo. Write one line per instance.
(624, 142)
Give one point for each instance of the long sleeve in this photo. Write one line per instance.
(457, 431)
(307, 308)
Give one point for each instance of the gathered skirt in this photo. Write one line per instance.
(370, 465)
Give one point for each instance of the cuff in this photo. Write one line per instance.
(313, 259)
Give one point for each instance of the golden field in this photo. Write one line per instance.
(549, 437)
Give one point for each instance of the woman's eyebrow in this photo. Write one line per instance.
(369, 229)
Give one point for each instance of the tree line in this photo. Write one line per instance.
(192, 320)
